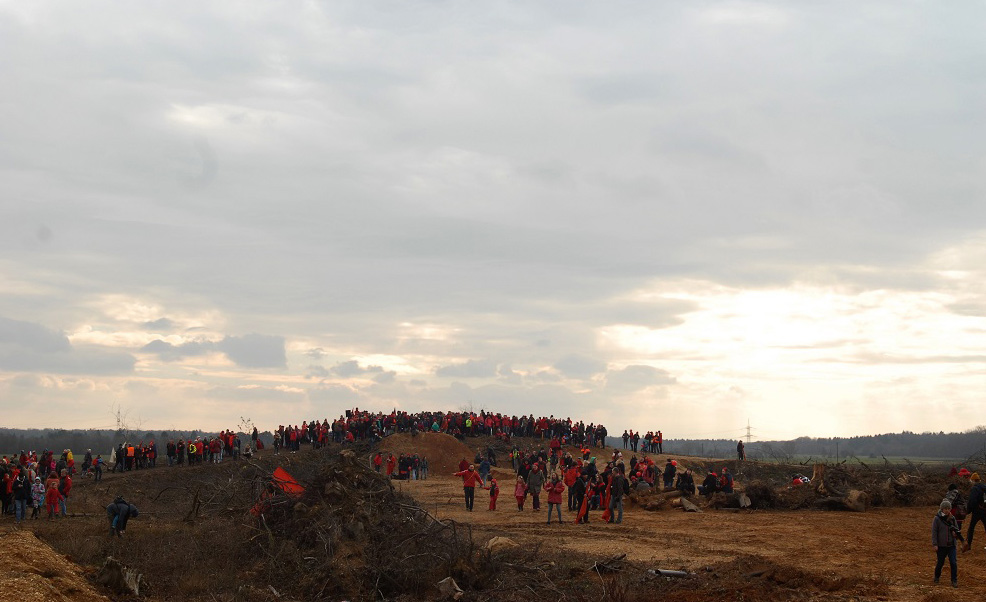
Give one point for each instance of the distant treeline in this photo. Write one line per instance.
(100, 441)
(907, 445)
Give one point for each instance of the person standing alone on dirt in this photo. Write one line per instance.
(943, 533)
(740, 451)
(469, 480)
(976, 509)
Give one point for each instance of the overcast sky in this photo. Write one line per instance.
(658, 215)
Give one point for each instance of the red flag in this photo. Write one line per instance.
(287, 483)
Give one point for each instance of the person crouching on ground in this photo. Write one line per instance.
(119, 512)
(469, 480)
(555, 488)
(943, 532)
(520, 492)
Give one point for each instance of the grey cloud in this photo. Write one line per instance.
(78, 360)
(255, 350)
(333, 393)
(248, 351)
(159, 325)
(352, 368)
(316, 371)
(635, 378)
(172, 353)
(32, 337)
(385, 378)
(30, 347)
(580, 366)
(253, 393)
(468, 369)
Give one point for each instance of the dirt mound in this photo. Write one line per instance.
(350, 533)
(443, 451)
(756, 578)
(35, 572)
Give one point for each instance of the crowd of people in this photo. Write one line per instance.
(38, 482)
(589, 488)
(360, 425)
(405, 467)
(43, 480)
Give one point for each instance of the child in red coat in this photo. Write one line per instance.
(52, 497)
(494, 488)
(520, 492)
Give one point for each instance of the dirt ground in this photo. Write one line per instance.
(811, 555)
(33, 572)
(888, 545)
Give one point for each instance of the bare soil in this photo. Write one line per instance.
(881, 554)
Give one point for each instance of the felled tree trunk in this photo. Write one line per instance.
(854, 501)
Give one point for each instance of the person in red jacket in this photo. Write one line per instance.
(391, 465)
(520, 492)
(470, 477)
(555, 488)
(571, 475)
(377, 461)
(494, 488)
(52, 498)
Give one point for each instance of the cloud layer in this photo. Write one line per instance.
(648, 214)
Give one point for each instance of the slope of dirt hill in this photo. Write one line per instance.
(33, 572)
(443, 451)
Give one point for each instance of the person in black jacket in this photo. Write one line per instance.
(578, 495)
(119, 512)
(710, 485)
(617, 489)
(22, 494)
(976, 507)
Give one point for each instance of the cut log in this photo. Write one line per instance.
(688, 506)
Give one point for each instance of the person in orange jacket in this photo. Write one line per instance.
(554, 489)
(470, 477)
(391, 465)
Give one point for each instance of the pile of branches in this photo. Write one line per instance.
(350, 533)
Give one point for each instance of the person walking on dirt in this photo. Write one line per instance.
(520, 492)
(494, 488)
(469, 480)
(535, 481)
(943, 534)
(976, 508)
(554, 489)
(64, 487)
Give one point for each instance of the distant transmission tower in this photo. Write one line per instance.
(749, 432)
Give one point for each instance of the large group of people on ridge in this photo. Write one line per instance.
(360, 425)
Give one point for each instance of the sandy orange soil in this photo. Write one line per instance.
(891, 544)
